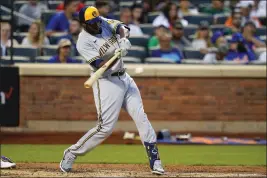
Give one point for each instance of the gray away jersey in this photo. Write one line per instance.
(101, 46)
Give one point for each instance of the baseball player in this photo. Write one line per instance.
(97, 43)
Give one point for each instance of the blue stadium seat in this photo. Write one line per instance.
(196, 19)
(147, 29)
(261, 31)
(158, 60)
(116, 15)
(138, 52)
(190, 30)
(42, 59)
(131, 60)
(221, 19)
(45, 17)
(25, 51)
(139, 41)
(215, 28)
(50, 50)
(190, 53)
(16, 59)
(151, 16)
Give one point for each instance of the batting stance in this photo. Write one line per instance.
(97, 43)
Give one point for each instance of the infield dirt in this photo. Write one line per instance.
(131, 170)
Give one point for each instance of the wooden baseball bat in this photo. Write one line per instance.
(89, 82)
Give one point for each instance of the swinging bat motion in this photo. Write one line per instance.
(89, 83)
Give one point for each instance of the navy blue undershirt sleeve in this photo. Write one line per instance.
(96, 63)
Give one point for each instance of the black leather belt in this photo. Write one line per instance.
(120, 73)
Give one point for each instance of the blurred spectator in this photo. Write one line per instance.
(168, 17)
(250, 38)
(137, 14)
(216, 56)
(35, 37)
(166, 50)
(185, 8)
(178, 38)
(64, 48)
(246, 9)
(126, 18)
(32, 9)
(234, 54)
(60, 7)
(154, 40)
(104, 9)
(202, 39)
(60, 21)
(234, 22)
(217, 7)
(218, 39)
(75, 29)
(259, 8)
(5, 38)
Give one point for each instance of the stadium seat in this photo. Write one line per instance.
(192, 61)
(191, 53)
(16, 59)
(19, 36)
(147, 29)
(45, 17)
(126, 4)
(139, 41)
(17, 4)
(257, 62)
(116, 15)
(158, 60)
(90, 3)
(261, 31)
(221, 19)
(230, 63)
(151, 16)
(55, 37)
(198, 3)
(42, 59)
(79, 59)
(50, 50)
(218, 27)
(263, 38)
(131, 60)
(138, 52)
(53, 4)
(196, 19)
(190, 30)
(26, 51)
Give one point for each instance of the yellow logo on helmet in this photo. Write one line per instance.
(90, 13)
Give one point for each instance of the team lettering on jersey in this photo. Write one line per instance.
(104, 48)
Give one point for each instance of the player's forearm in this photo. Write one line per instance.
(101, 63)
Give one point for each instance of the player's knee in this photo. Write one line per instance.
(106, 130)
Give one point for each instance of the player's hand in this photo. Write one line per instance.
(125, 43)
(123, 52)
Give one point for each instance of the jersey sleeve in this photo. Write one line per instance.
(114, 24)
(89, 53)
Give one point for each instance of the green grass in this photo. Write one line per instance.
(170, 154)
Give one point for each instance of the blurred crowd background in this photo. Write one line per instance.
(162, 31)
